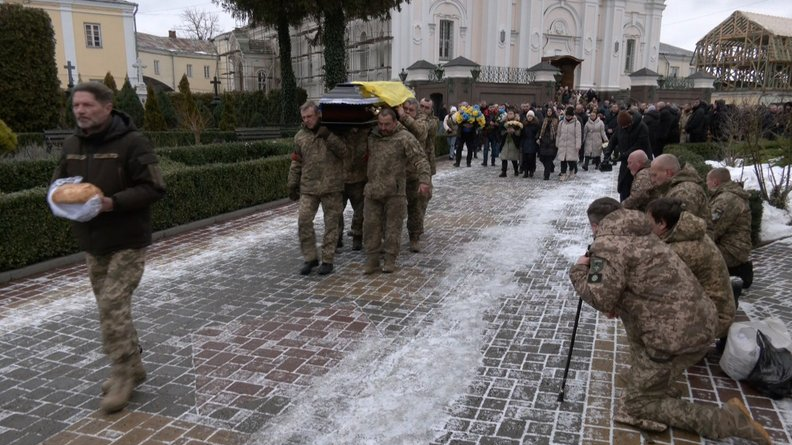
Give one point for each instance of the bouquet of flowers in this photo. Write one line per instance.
(501, 117)
(470, 115)
(517, 125)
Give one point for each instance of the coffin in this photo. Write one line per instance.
(345, 105)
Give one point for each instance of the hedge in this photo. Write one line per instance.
(226, 153)
(706, 150)
(30, 234)
(16, 176)
(688, 157)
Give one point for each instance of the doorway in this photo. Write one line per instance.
(567, 66)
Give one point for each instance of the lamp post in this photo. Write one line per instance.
(403, 75)
(439, 73)
(661, 81)
(475, 73)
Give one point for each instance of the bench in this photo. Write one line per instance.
(55, 138)
(257, 133)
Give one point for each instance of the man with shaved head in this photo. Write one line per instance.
(731, 218)
(641, 191)
(671, 180)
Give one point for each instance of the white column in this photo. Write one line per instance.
(524, 49)
(611, 61)
(130, 45)
(654, 15)
(588, 44)
(537, 29)
(69, 45)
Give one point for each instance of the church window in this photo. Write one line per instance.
(189, 70)
(629, 56)
(156, 67)
(673, 72)
(261, 80)
(363, 52)
(446, 39)
(206, 71)
(93, 35)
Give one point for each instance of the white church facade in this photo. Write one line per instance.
(595, 43)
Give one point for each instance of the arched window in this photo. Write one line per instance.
(363, 48)
(261, 81)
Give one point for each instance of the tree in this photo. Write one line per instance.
(191, 117)
(199, 24)
(129, 102)
(168, 112)
(228, 120)
(110, 82)
(29, 85)
(8, 140)
(153, 120)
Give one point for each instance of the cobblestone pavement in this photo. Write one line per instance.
(465, 344)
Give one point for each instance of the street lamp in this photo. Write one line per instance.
(475, 73)
(403, 75)
(439, 73)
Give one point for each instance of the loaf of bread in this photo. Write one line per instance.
(75, 193)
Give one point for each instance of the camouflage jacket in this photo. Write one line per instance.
(731, 217)
(388, 158)
(688, 239)
(688, 187)
(432, 124)
(356, 140)
(317, 165)
(417, 127)
(637, 277)
(641, 192)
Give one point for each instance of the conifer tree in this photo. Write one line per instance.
(228, 120)
(153, 119)
(110, 82)
(129, 102)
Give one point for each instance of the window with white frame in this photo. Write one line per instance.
(446, 39)
(93, 35)
(189, 70)
(261, 81)
(673, 72)
(156, 67)
(206, 71)
(629, 56)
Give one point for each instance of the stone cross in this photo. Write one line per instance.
(138, 65)
(69, 67)
(215, 83)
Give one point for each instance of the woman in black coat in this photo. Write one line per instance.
(529, 145)
(547, 141)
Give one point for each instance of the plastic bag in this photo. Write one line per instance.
(772, 375)
(75, 212)
(742, 352)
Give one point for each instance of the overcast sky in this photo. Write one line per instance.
(684, 21)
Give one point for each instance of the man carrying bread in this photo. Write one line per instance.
(108, 152)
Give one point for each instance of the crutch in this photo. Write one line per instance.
(571, 347)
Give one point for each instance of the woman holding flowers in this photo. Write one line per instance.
(510, 131)
(470, 120)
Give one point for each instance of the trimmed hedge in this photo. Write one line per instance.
(688, 157)
(30, 234)
(158, 138)
(706, 150)
(226, 153)
(23, 175)
(441, 145)
(25, 139)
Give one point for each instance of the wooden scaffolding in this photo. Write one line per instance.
(748, 51)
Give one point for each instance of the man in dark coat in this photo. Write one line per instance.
(652, 119)
(696, 126)
(631, 134)
(669, 120)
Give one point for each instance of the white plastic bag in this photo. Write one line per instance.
(741, 353)
(75, 212)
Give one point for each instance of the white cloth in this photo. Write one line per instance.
(75, 212)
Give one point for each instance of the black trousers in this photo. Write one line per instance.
(469, 139)
(528, 162)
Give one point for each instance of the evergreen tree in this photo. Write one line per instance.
(153, 119)
(228, 120)
(129, 102)
(8, 140)
(110, 82)
(187, 99)
(29, 85)
(168, 111)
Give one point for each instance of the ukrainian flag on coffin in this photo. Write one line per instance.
(392, 93)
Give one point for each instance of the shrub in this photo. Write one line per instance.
(187, 138)
(128, 101)
(16, 176)
(441, 146)
(225, 153)
(153, 120)
(707, 150)
(688, 157)
(8, 140)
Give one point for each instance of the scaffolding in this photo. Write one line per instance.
(748, 51)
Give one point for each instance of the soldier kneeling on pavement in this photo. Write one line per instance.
(631, 274)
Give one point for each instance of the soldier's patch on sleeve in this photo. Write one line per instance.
(596, 266)
(716, 214)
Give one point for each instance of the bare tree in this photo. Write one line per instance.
(199, 24)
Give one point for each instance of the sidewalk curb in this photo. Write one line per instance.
(55, 263)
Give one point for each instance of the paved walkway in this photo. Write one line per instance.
(465, 344)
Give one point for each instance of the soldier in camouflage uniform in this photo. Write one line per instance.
(641, 190)
(391, 149)
(630, 273)
(316, 176)
(672, 181)
(109, 152)
(687, 236)
(731, 217)
(356, 140)
(417, 124)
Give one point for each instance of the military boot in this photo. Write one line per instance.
(357, 242)
(325, 268)
(120, 390)
(372, 264)
(390, 264)
(138, 374)
(308, 267)
(743, 425)
(415, 243)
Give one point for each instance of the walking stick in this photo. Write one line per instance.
(571, 347)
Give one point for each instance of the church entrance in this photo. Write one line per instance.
(567, 65)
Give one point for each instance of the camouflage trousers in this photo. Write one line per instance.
(646, 396)
(114, 277)
(353, 193)
(331, 207)
(382, 225)
(416, 208)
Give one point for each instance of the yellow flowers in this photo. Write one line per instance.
(470, 115)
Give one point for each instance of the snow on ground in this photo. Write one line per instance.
(776, 223)
(396, 391)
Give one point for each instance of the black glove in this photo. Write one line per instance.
(323, 132)
(294, 194)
